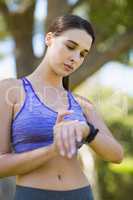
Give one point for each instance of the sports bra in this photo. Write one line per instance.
(33, 124)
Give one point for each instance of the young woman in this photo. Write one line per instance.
(42, 124)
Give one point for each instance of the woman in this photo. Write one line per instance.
(45, 124)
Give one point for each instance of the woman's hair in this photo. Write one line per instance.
(69, 21)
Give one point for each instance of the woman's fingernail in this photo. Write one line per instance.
(62, 153)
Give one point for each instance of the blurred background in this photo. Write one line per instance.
(105, 78)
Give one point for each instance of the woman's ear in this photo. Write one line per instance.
(48, 38)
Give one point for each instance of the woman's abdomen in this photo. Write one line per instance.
(59, 173)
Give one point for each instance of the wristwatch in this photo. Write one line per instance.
(90, 137)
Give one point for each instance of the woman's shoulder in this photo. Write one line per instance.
(9, 82)
(9, 87)
(83, 101)
(87, 106)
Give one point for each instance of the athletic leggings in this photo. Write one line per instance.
(29, 193)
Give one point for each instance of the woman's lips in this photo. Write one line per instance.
(68, 67)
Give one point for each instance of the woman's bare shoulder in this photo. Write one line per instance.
(9, 87)
(9, 82)
(83, 101)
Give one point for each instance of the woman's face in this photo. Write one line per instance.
(70, 48)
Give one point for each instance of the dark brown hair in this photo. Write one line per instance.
(69, 21)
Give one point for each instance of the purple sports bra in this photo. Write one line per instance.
(33, 125)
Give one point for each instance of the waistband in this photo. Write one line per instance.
(51, 190)
(24, 192)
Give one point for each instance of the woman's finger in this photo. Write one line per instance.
(79, 132)
(72, 141)
(65, 138)
(58, 140)
(61, 115)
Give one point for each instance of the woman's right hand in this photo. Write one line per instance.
(66, 133)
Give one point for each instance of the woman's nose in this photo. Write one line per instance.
(75, 57)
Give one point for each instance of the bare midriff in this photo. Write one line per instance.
(60, 173)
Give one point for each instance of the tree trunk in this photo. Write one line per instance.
(97, 59)
(21, 28)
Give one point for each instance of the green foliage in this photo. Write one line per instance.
(116, 179)
(115, 184)
(126, 167)
(115, 18)
(111, 18)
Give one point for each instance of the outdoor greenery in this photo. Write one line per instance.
(115, 180)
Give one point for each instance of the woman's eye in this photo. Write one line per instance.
(71, 48)
(82, 55)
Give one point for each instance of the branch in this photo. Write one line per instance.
(97, 59)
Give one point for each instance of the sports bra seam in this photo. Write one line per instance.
(23, 104)
(79, 106)
(76, 102)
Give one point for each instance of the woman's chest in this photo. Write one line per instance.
(53, 101)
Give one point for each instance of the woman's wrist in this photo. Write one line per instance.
(86, 132)
(53, 150)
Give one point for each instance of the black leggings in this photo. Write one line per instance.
(29, 193)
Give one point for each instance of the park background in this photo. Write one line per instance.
(105, 78)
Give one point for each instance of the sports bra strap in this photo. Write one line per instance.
(27, 85)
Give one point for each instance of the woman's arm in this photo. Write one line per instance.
(104, 144)
(12, 163)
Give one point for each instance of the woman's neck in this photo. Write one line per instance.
(46, 76)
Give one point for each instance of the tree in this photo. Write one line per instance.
(112, 24)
